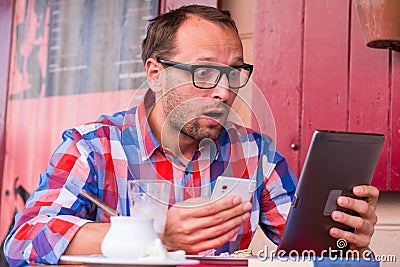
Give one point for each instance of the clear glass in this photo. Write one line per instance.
(150, 199)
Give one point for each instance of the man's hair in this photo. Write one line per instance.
(160, 39)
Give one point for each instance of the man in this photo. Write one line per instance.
(180, 133)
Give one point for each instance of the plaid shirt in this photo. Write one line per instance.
(101, 157)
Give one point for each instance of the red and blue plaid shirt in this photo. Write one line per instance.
(101, 157)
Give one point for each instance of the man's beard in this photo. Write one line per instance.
(183, 117)
(194, 130)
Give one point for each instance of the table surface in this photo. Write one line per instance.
(259, 263)
(83, 265)
(254, 261)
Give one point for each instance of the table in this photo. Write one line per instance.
(254, 262)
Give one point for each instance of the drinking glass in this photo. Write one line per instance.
(150, 199)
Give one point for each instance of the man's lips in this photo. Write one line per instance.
(214, 117)
(215, 113)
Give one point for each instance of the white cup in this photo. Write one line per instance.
(128, 237)
(150, 199)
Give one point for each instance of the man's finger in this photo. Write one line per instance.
(216, 230)
(215, 242)
(210, 219)
(370, 193)
(209, 208)
(360, 206)
(356, 241)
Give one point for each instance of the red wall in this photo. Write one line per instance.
(317, 73)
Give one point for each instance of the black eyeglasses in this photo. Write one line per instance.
(208, 76)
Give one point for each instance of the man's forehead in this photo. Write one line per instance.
(195, 23)
(212, 60)
(200, 40)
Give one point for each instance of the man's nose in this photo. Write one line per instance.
(221, 90)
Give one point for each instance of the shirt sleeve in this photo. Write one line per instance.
(54, 212)
(276, 197)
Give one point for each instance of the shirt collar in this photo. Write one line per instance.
(144, 133)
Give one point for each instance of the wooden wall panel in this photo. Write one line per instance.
(278, 59)
(325, 68)
(6, 12)
(369, 94)
(394, 173)
(344, 85)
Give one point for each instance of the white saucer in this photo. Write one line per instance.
(100, 260)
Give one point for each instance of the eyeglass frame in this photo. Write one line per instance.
(222, 70)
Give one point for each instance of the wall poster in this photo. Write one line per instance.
(71, 62)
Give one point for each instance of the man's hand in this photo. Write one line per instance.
(197, 224)
(364, 225)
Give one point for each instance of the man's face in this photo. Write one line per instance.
(200, 113)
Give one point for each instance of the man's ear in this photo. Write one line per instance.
(153, 71)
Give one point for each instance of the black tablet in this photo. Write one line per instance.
(335, 163)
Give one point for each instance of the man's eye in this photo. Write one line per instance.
(202, 73)
(234, 73)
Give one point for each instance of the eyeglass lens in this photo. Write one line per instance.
(208, 77)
